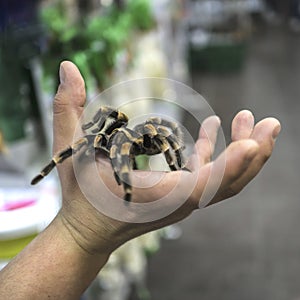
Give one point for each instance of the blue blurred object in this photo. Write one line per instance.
(17, 13)
(21, 40)
(295, 9)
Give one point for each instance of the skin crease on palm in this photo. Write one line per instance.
(62, 261)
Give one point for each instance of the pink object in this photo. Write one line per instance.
(17, 204)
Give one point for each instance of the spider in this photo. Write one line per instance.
(109, 133)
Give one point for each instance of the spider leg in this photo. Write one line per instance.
(114, 162)
(163, 145)
(173, 126)
(96, 119)
(100, 119)
(99, 141)
(121, 167)
(60, 157)
(175, 145)
(122, 159)
(161, 134)
(174, 137)
(134, 164)
(114, 125)
(155, 142)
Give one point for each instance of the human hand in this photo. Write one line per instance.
(96, 232)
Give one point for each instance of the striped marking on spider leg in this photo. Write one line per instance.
(155, 142)
(165, 148)
(103, 114)
(95, 119)
(145, 142)
(100, 142)
(45, 171)
(122, 176)
(174, 143)
(59, 158)
(115, 124)
(178, 149)
(173, 126)
(114, 162)
(125, 167)
(121, 159)
(126, 182)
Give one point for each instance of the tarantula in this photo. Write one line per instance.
(109, 133)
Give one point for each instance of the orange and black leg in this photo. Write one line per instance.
(60, 157)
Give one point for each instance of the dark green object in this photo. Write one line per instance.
(12, 113)
(217, 58)
(12, 128)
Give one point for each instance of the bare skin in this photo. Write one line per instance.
(61, 262)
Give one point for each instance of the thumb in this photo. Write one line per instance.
(68, 105)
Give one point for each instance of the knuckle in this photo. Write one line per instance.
(66, 98)
(59, 104)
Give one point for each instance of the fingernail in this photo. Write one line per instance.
(276, 132)
(62, 73)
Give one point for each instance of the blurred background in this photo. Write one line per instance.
(237, 54)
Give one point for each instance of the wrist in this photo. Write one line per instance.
(59, 267)
(94, 235)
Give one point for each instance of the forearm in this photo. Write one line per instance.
(52, 266)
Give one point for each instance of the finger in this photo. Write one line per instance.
(205, 145)
(217, 176)
(242, 125)
(264, 133)
(267, 128)
(68, 105)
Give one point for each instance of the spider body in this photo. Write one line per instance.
(109, 132)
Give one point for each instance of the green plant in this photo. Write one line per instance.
(92, 42)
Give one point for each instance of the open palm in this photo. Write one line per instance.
(182, 191)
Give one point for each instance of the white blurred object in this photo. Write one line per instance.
(211, 12)
(3, 263)
(34, 209)
(172, 232)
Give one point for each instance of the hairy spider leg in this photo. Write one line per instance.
(122, 160)
(114, 125)
(155, 142)
(102, 139)
(61, 156)
(162, 144)
(175, 145)
(99, 142)
(173, 126)
(102, 115)
(95, 119)
(114, 162)
(134, 163)
(175, 140)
